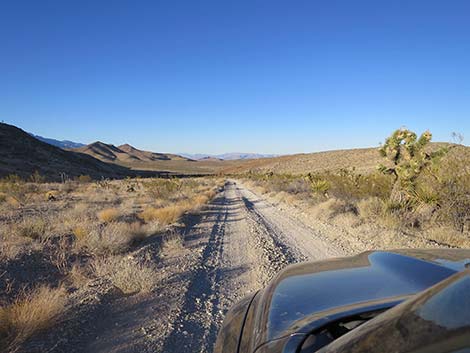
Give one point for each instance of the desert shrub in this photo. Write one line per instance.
(448, 235)
(33, 228)
(333, 207)
(164, 215)
(344, 184)
(348, 185)
(84, 179)
(29, 314)
(172, 242)
(454, 195)
(16, 189)
(109, 215)
(170, 214)
(162, 188)
(80, 233)
(442, 192)
(297, 186)
(36, 177)
(68, 186)
(108, 238)
(77, 276)
(126, 274)
(292, 184)
(59, 255)
(370, 208)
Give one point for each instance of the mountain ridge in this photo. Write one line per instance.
(64, 144)
(125, 153)
(23, 154)
(230, 156)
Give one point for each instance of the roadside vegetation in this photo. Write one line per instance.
(57, 239)
(419, 190)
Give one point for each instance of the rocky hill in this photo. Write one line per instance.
(22, 154)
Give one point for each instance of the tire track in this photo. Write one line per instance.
(196, 326)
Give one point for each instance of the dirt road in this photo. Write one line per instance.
(248, 242)
(232, 248)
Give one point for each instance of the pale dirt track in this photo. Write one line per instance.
(232, 248)
(249, 241)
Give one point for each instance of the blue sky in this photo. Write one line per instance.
(251, 76)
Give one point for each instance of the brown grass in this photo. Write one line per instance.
(78, 276)
(332, 208)
(172, 243)
(30, 314)
(127, 275)
(33, 228)
(83, 233)
(371, 208)
(112, 238)
(448, 236)
(109, 215)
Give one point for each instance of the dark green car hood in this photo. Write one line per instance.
(304, 293)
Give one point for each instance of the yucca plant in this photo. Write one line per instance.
(407, 158)
(318, 185)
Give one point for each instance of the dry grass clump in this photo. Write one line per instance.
(164, 215)
(370, 208)
(126, 274)
(110, 238)
(30, 313)
(84, 179)
(77, 276)
(33, 228)
(171, 243)
(80, 233)
(171, 214)
(448, 236)
(109, 215)
(163, 188)
(332, 208)
(11, 246)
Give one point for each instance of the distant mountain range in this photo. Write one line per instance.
(108, 152)
(228, 156)
(125, 153)
(65, 144)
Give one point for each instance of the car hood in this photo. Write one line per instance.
(306, 292)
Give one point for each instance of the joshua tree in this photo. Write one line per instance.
(408, 158)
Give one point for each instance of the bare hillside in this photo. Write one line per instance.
(363, 159)
(124, 153)
(22, 154)
(136, 159)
